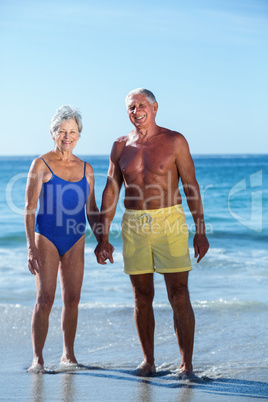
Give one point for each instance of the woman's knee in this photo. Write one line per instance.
(44, 303)
(71, 301)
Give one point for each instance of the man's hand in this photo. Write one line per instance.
(103, 252)
(201, 246)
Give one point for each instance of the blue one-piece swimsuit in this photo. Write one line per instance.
(61, 215)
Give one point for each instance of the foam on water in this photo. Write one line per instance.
(107, 338)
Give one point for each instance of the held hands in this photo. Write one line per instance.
(34, 262)
(201, 246)
(103, 252)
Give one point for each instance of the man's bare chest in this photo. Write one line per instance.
(141, 159)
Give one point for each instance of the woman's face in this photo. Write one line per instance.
(66, 136)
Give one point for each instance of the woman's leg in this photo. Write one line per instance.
(46, 282)
(71, 277)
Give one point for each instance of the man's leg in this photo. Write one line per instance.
(143, 291)
(184, 321)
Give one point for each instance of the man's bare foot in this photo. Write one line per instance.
(36, 368)
(68, 363)
(68, 358)
(187, 375)
(144, 370)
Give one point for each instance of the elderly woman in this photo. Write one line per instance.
(64, 186)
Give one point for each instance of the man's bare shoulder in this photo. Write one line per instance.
(118, 146)
(121, 141)
(176, 138)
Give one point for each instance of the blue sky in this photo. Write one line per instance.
(205, 60)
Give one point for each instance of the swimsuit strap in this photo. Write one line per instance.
(85, 165)
(46, 164)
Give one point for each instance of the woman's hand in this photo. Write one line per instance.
(34, 262)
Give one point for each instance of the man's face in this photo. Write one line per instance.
(141, 112)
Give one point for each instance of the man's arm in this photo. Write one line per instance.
(110, 197)
(92, 211)
(186, 169)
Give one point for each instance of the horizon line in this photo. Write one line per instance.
(105, 155)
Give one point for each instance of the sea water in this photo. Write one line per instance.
(229, 287)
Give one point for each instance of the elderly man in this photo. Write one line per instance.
(150, 160)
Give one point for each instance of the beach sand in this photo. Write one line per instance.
(109, 376)
(120, 385)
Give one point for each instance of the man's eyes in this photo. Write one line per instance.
(133, 107)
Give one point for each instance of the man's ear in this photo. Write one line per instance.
(155, 107)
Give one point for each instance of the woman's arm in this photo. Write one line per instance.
(33, 189)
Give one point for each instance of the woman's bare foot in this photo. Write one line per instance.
(36, 368)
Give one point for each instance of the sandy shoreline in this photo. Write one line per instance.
(119, 384)
(109, 372)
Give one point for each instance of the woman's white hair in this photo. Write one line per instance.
(63, 113)
(141, 91)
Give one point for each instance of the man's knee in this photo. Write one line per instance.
(143, 288)
(179, 297)
(143, 300)
(143, 295)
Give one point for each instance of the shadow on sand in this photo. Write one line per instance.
(228, 387)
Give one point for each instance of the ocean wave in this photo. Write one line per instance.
(19, 238)
(222, 304)
(127, 307)
(239, 235)
(234, 261)
(198, 305)
(14, 239)
(101, 306)
(238, 255)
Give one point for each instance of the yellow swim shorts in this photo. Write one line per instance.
(155, 240)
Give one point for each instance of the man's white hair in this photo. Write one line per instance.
(141, 91)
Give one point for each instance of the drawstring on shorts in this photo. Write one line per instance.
(143, 219)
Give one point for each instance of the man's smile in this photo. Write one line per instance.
(140, 117)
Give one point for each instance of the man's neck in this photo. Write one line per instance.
(147, 132)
